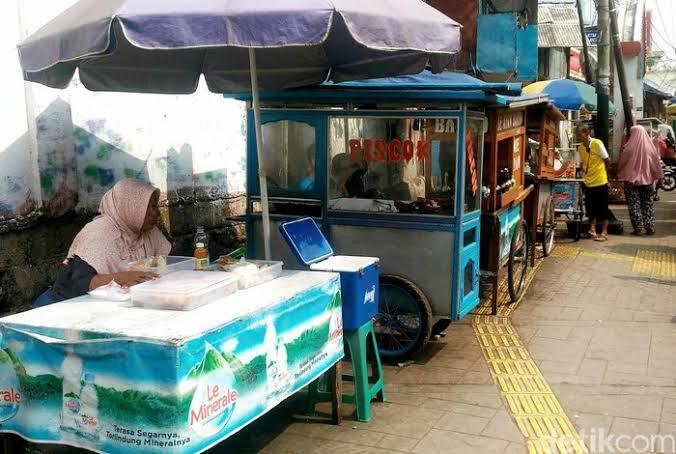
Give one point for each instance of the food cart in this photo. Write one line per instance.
(389, 168)
(110, 377)
(504, 231)
(544, 167)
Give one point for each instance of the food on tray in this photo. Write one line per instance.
(226, 260)
(241, 266)
(159, 262)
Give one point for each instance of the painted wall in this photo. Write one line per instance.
(62, 149)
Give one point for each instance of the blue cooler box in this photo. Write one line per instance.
(358, 275)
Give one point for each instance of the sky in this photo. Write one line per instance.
(664, 26)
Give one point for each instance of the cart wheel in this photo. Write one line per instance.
(404, 322)
(517, 267)
(440, 326)
(548, 228)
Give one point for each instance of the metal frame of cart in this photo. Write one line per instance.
(427, 131)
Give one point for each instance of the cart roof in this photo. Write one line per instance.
(425, 86)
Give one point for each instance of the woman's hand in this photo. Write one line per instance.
(130, 278)
(124, 279)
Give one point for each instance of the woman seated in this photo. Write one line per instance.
(125, 231)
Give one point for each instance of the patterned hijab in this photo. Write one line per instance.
(113, 239)
(639, 161)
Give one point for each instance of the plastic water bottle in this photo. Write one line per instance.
(71, 370)
(89, 410)
(201, 253)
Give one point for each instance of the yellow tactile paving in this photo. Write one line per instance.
(565, 251)
(655, 263)
(536, 411)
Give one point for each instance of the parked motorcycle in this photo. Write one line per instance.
(668, 181)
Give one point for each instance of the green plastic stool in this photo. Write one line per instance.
(363, 351)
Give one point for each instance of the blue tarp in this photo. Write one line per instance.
(424, 86)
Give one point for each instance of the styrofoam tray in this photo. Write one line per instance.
(184, 290)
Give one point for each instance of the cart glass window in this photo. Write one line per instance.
(474, 140)
(289, 154)
(404, 165)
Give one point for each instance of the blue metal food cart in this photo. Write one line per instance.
(389, 168)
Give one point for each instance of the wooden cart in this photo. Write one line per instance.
(504, 231)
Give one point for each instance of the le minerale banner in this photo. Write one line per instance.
(130, 396)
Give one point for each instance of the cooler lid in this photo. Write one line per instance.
(306, 241)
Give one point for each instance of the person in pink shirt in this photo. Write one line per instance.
(639, 169)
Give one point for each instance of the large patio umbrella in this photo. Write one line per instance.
(150, 46)
(567, 94)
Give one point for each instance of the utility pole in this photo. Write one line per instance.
(587, 64)
(621, 76)
(603, 77)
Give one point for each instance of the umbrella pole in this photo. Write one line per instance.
(259, 152)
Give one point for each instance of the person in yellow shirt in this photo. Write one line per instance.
(594, 160)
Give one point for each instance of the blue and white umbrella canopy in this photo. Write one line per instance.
(164, 46)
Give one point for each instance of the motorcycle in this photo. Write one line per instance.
(668, 181)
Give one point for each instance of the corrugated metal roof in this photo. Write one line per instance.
(558, 25)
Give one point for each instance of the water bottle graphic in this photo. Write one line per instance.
(215, 396)
(89, 407)
(276, 365)
(10, 393)
(336, 330)
(71, 370)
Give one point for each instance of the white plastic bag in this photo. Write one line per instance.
(111, 292)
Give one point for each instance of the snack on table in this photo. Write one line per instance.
(157, 262)
(226, 260)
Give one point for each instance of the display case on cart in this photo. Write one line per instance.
(388, 168)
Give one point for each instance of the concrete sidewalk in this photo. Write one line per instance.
(596, 326)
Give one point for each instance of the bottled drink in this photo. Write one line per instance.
(201, 249)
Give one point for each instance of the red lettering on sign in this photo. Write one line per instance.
(395, 148)
(367, 144)
(381, 150)
(408, 150)
(355, 149)
(10, 395)
(393, 151)
(423, 151)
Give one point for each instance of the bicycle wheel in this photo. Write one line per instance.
(404, 322)
(548, 228)
(517, 267)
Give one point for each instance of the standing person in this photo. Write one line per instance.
(639, 169)
(594, 160)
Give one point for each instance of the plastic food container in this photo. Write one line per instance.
(247, 278)
(183, 290)
(174, 263)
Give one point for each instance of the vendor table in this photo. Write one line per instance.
(114, 378)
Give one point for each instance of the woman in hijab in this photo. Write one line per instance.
(639, 169)
(125, 231)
